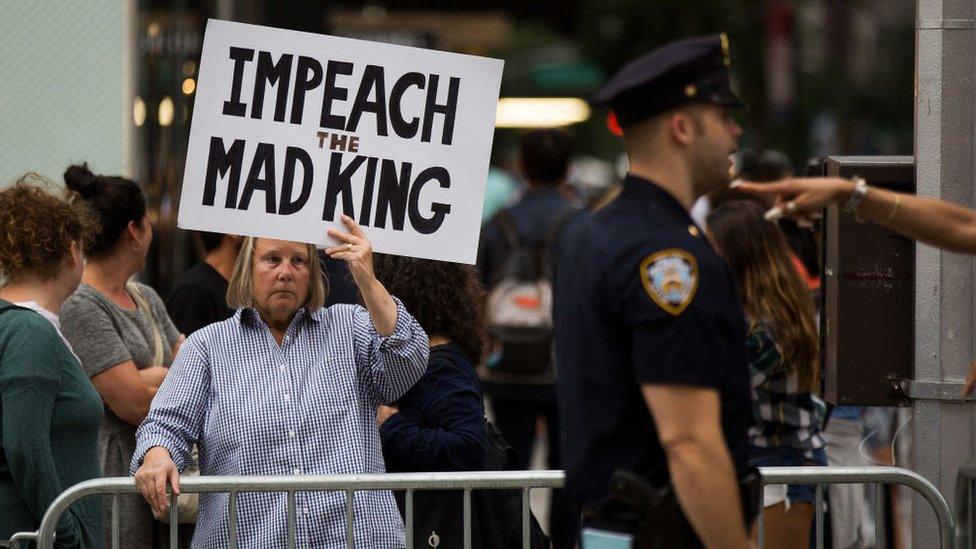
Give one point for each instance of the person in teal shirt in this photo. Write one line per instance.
(49, 410)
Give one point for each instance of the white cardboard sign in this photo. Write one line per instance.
(291, 129)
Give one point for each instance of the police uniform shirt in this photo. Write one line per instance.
(642, 298)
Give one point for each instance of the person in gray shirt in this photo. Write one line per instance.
(120, 332)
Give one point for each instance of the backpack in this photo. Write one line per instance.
(519, 305)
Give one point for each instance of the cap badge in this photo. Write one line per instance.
(670, 278)
(724, 39)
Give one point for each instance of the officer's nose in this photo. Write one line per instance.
(734, 128)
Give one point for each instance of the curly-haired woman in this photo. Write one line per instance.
(439, 424)
(783, 348)
(49, 411)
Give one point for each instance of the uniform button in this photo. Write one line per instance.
(291, 434)
(287, 397)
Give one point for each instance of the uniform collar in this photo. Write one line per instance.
(644, 190)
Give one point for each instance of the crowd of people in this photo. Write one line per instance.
(657, 354)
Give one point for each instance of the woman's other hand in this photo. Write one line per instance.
(157, 468)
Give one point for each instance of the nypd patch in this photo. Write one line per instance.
(670, 277)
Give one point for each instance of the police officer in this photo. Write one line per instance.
(653, 381)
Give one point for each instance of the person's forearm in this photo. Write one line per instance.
(705, 483)
(941, 224)
(382, 309)
(154, 375)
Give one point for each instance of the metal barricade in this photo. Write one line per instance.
(965, 502)
(879, 476)
(350, 484)
(521, 480)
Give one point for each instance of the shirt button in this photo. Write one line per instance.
(287, 397)
(305, 510)
(291, 434)
(282, 367)
(298, 471)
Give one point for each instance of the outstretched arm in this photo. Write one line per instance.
(935, 222)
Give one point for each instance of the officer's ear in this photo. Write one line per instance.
(683, 126)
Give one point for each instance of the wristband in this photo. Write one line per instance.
(860, 191)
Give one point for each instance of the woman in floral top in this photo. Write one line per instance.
(783, 362)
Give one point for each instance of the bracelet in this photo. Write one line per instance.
(860, 191)
(891, 216)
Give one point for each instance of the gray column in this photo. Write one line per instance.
(942, 432)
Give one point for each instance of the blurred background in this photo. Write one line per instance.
(113, 82)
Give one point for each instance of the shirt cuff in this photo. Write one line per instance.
(402, 331)
(148, 442)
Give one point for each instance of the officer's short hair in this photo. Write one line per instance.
(544, 155)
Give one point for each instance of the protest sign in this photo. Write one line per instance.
(292, 129)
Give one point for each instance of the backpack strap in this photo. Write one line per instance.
(505, 222)
(558, 222)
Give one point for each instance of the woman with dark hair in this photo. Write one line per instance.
(49, 411)
(783, 347)
(120, 331)
(439, 424)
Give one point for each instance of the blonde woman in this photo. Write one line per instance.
(783, 361)
(286, 387)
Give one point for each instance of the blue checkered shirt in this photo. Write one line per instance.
(307, 407)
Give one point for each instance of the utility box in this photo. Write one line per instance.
(867, 319)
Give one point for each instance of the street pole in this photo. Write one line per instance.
(945, 314)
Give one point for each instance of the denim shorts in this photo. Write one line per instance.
(786, 456)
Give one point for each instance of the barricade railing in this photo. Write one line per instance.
(468, 481)
(878, 476)
(350, 484)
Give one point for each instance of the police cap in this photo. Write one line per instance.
(694, 70)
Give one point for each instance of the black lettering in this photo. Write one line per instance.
(292, 156)
(392, 195)
(263, 162)
(340, 182)
(308, 76)
(277, 74)
(332, 69)
(403, 128)
(448, 109)
(427, 225)
(234, 107)
(365, 213)
(372, 80)
(218, 163)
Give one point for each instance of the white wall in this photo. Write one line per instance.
(64, 90)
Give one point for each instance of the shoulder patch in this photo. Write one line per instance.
(670, 278)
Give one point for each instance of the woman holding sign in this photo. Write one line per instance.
(286, 387)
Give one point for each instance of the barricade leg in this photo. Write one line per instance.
(232, 519)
